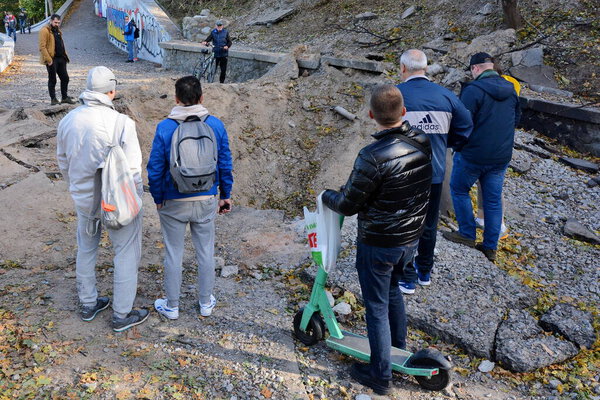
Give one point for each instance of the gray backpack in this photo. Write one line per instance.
(193, 163)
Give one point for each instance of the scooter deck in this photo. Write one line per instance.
(358, 347)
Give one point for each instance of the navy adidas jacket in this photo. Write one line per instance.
(440, 114)
(496, 111)
(220, 39)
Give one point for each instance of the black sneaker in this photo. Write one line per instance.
(456, 237)
(68, 100)
(488, 253)
(135, 317)
(54, 102)
(362, 373)
(89, 313)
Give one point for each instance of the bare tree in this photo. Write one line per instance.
(512, 16)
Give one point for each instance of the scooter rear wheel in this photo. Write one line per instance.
(314, 330)
(436, 382)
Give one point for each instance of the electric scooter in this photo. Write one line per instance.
(429, 366)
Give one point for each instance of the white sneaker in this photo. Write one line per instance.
(479, 223)
(503, 232)
(170, 312)
(206, 309)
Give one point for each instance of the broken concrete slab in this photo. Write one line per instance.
(365, 16)
(528, 58)
(520, 162)
(408, 12)
(494, 43)
(10, 171)
(570, 322)
(308, 61)
(564, 110)
(454, 75)
(533, 149)
(370, 66)
(469, 321)
(285, 69)
(273, 17)
(549, 90)
(45, 202)
(521, 345)
(17, 126)
(487, 9)
(435, 69)
(574, 229)
(578, 163)
(542, 75)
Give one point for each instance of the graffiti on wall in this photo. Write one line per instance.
(151, 32)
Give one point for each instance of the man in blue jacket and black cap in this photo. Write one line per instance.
(222, 42)
(495, 109)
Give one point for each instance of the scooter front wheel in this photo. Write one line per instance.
(314, 330)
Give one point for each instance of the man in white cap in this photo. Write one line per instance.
(83, 140)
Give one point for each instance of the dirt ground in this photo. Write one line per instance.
(287, 145)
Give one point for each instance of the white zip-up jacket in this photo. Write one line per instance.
(83, 138)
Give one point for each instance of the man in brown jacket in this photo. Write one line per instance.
(54, 56)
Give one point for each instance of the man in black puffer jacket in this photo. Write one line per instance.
(389, 189)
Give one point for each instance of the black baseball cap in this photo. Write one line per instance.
(480, 58)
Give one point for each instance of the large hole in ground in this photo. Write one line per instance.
(287, 143)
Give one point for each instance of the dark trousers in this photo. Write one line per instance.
(58, 67)
(424, 258)
(222, 62)
(379, 269)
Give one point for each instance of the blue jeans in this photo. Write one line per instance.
(130, 44)
(379, 269)
(424, 258)
(12, 32)
(464, 176)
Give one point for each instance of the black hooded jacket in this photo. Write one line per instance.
(389, 188)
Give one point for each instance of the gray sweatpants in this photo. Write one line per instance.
(174, 217)
(127, 245)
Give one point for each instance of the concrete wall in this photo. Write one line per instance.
(7, 51)
(249, 64)
(155, 26)
(572, 125)
(242, 65)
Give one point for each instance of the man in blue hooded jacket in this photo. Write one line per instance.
(443, 117)
(129, 35)
(495, 109)
(176, 210)
(222, 42)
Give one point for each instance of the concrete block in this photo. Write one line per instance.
(273, 17)
(573, 111)
(309, 61)
(371, 66)
(272, 58)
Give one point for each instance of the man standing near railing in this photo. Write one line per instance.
(222, 42)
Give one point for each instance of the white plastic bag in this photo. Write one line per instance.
(120, 202)
(323, 228)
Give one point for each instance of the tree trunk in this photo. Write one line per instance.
(512, 17)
